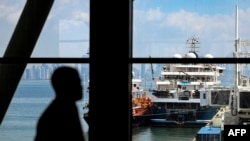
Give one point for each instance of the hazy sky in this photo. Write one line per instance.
(65, 33)
(161, 27)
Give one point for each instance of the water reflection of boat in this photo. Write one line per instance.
(141, 104)
(188, 95)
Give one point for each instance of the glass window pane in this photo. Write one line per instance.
(161, 28)
(65, 33)
(176, 93)
(10, 13)
(33, 94)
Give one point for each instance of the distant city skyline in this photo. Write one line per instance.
(44, 71)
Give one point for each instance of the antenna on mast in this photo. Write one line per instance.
(234, 106)
(193, 44)
(236, 45)
(236, 23)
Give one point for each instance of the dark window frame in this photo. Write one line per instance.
(112, 35)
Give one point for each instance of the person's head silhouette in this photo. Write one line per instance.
(66, 80)
(60, 120)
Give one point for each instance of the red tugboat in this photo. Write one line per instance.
(141, 104)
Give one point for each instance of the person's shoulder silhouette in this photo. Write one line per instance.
(60, 121)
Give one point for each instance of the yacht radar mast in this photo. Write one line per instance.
(193, 44)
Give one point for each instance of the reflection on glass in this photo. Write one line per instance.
(73, 38)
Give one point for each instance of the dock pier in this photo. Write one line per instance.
(215, 128)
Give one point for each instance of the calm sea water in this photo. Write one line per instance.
(30, 100)
(163, 134)
(32, 97)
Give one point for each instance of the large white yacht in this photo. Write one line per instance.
(188, 94)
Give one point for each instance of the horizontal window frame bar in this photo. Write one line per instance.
(189, 60)
(15, 60)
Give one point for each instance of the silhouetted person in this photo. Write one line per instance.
(60, 121)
